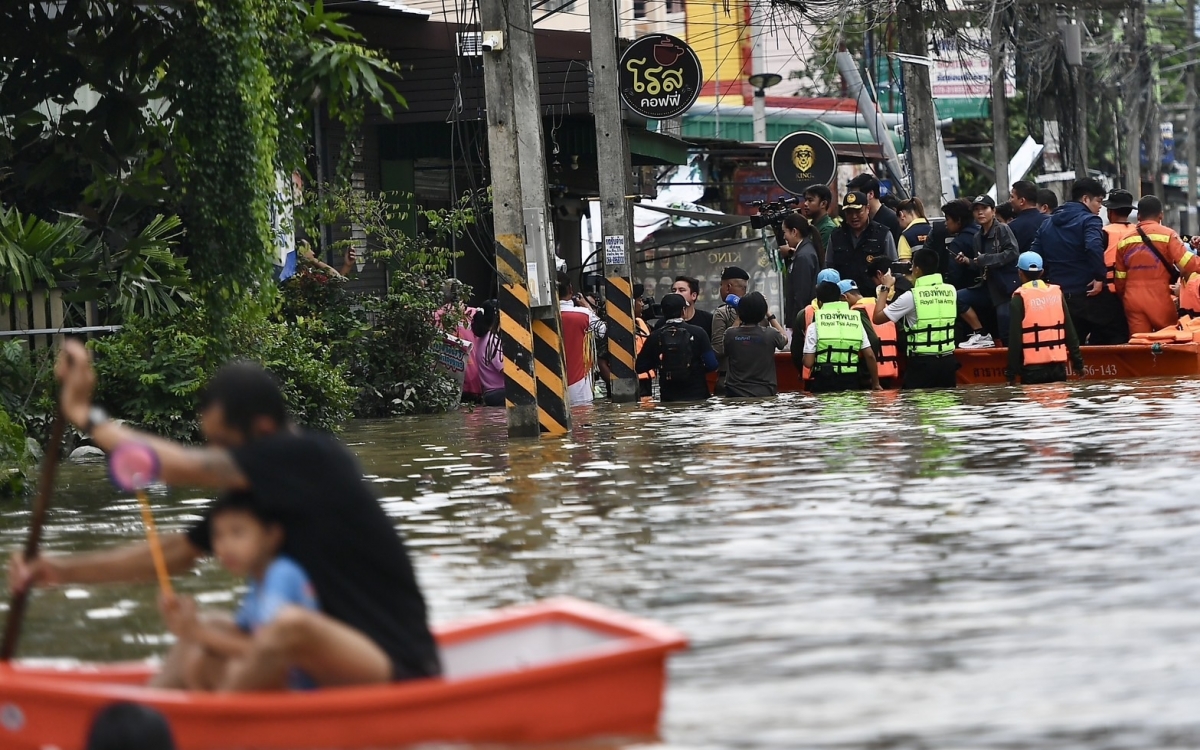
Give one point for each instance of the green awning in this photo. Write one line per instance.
(741, 128)
(656, 149)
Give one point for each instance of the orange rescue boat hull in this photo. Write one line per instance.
(982, 366)
(1122, 362)
(556, 670)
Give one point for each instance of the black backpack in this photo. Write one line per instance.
(676, 353)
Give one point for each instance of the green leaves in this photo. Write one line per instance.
(30, 249)
(135, 276)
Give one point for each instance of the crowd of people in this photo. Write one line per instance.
(883, 294)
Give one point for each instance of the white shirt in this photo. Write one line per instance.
(810, 339)
(903, 308)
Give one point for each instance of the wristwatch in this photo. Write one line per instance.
(770, 317)
(885, 290)
(96, 417)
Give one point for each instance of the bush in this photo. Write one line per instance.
(14, 456)
(151, 372)
(384, 345)
(27, 388)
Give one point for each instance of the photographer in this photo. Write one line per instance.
(996, 259)
(801, 253)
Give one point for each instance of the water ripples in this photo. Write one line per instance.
(986, 568)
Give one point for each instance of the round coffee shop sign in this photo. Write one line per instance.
(801, 160)
(660, 77)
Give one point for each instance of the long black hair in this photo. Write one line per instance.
(487, 320)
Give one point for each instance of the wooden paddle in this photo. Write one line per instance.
(16, 607)
(133, 467)
(160, 562)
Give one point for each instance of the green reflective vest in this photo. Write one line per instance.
(839, 337)
(937, 310)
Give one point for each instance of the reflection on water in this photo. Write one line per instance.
(986, 568)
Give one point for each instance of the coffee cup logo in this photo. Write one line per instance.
(660, 77)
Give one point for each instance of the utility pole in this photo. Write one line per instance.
(758, 67)
(918, 96)
(1073, 43)
(1137, 98)
(616, 220)
(510, 81)
(1192, 187)
(550, 372)
(999, 103)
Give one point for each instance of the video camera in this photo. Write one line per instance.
(772, 213)
(651, 309)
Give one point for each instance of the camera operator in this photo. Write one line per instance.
(801, 254)
(689, 288)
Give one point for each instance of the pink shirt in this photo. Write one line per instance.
(491, 371)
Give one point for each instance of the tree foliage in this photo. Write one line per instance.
(117, 113)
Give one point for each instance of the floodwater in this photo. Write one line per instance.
(986, 568)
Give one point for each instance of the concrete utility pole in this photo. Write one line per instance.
(1072, 34)
(999, 103)
(1137, 98)
(1193, 171)
(918, 97)
(534, 392)
(616, 217)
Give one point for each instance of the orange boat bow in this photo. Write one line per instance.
(556, 670)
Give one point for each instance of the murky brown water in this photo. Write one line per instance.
(987, 568)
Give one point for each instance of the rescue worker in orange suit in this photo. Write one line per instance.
(1189, 290)
(1149, 260)
(884, 337)
(1041, 336)
(1119, 205)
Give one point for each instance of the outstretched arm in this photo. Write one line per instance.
(212, 468)
(127, 564)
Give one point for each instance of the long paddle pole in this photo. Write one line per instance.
(160, 563)
(16, 607)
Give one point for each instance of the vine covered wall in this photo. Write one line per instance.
(227, 103)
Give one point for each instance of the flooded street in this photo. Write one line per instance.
(986, 568)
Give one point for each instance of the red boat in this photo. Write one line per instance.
(980, 366)
(556, 670)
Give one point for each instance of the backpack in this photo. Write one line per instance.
(677, 353)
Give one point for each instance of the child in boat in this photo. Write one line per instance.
(246, 544)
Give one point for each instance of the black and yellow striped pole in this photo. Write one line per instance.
(534, 373)
(614, 169)
(554, 412)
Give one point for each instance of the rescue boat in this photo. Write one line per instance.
(1121, 362)
(551, 671)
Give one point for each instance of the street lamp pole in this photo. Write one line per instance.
(761, 82)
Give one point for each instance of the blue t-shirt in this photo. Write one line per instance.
(284, 583)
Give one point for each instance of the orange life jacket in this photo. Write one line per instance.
(1116, 233)
(889, 341)
(1189, 296)
(639, 340)
(1044, 327)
